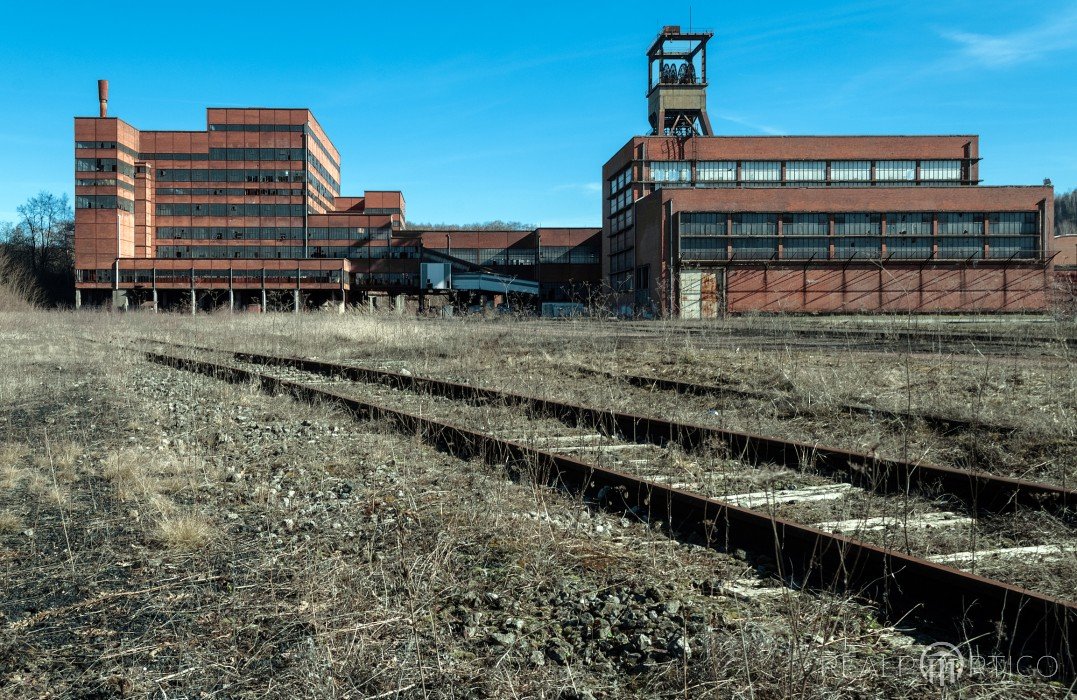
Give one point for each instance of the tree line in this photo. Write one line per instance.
(37, 251)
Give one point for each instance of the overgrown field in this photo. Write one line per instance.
(168, 535)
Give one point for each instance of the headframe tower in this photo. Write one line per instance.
(677, 83)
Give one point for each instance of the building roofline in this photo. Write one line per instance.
(814, 136)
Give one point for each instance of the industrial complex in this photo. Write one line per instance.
(248, 214)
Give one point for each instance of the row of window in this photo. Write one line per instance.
(255, 252)
(860, 247)
(325, 151)
(228, 175)
(847, 224)
(619, 202)
(291, 277)
(245, 191)
(109, 146)
(104, 165)
(214, 209)
(256, 154)
(103, 201)
(324, 172)
(265, 233)
(620, 180)
(346, 233)
(619, 262)
(103, 182)
(326, 196)
(575, 255)
(806, 171)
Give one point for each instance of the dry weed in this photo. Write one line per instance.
(126, 469)
(10, 523)
(185, 531)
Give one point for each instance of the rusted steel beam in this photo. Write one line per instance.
(977, 490)
(998, 618)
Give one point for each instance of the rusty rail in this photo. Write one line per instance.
(979, 491)
(999, 618)
(944, 424)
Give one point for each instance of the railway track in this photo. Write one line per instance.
(628, 465)
(932, 340)
(943, 424)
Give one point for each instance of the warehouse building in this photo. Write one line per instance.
(248, 214)
(697, 225)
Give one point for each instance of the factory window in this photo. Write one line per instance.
(857, 224)
(95, 165)
(857, 247)
(755, 247)
(643, 277)
(760, 171)
(804, 236)
(805, 247)
(703, 224)
(623, 261)
(671, 171)
(961, 224)
(908, 224)
(755, 224)
(1005, 247)
(620, 180)
(103, 201)
(716, 171)
(850, 171)
(804, 225)
(1021, 223)
(703, 248)
(941, 170)
(895, 170)
(805, 171)
(960, 235)
(621, 282)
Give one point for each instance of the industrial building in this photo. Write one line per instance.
(697, 225)
(248, 214)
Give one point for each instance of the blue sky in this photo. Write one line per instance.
(507, 110)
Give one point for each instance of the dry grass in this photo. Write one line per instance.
(126, 469)
(10, 523)
(252, 544)
(185, 531)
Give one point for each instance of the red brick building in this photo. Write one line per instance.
(699, 225)
(248, 213)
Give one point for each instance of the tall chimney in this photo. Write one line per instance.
(102, 94)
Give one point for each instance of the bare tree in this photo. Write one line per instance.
(43, 235)
(1066, 214)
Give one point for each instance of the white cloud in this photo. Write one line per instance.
(995, 51)
(762, 128)
(585, 187)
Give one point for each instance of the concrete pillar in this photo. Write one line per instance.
(78, 298)
(194, 302)
(399, 303)
(340, 306)
(370, 304)
(263, 301)
(231, 300)
(119, 300)
(295, 301)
